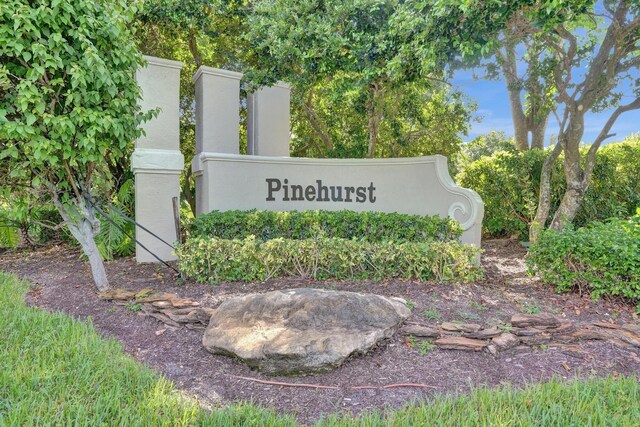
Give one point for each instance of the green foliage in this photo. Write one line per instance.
(214, 260)
(423, 346)
(134, 306)
(417, 119)
(603, 258)
(531, 309)
(371, 226)
(69, 98)
(113, 239)
(483, 146)
(432, 314)
(359, 88)
(9, 230)
(69, 107)
(509, 184)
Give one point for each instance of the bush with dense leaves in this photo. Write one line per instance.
(509, 183)
(214, 260)
(371, 226)
(602, 259)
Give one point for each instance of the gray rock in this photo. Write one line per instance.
(301, 331)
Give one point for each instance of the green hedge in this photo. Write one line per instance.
(214, 260)
(603, 259)
(509, 183)
(372, 226)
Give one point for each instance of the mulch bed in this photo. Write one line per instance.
(62, 282)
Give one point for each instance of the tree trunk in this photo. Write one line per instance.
(510, 71)
(577, 182)
(84, 234)
(316, 122)
(538, 131)
(374, 114)
(84, 226)
(188, 190)
(544, 200)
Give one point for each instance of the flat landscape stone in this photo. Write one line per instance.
(526, 332)
(534, 320)
(460, 343)
(420, 331)
(460, 327)
(505, 341)
(301, 331)
(483, 334)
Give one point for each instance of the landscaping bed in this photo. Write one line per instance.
(62, 282)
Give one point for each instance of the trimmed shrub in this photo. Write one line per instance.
(371, 226)
(603, 259)
(214, 260)
(509, 184)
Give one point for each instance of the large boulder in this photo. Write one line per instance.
(301, 331)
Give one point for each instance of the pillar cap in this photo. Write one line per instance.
(210, 71)
(162, 62)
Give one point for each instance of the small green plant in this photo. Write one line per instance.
(134, 306)
(432, 314)
(425, 347)
(467, 315)
(410, 305)
(412, 341)
(504, 327)
(531, 309)
(478, 306)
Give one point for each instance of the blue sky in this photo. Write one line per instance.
(493, 107)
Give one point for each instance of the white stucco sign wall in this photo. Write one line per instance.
(418, 185)
(226, 180)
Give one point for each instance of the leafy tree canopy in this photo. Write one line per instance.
(68, 102)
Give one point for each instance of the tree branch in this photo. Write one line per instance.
(604, 134)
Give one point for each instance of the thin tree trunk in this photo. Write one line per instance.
(538, 132)
(374, 114)
(316, 122)
(84, 226)
(84, 235)
(544, 200)
(510, 71)
(193, 47)
(187, 190)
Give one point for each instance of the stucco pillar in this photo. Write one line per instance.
(156, 161)
(217, 123)
(269, 120)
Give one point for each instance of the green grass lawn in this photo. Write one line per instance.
(57, 371)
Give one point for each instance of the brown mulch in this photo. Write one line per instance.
(62, 282)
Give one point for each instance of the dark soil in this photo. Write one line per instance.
(62, 282)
